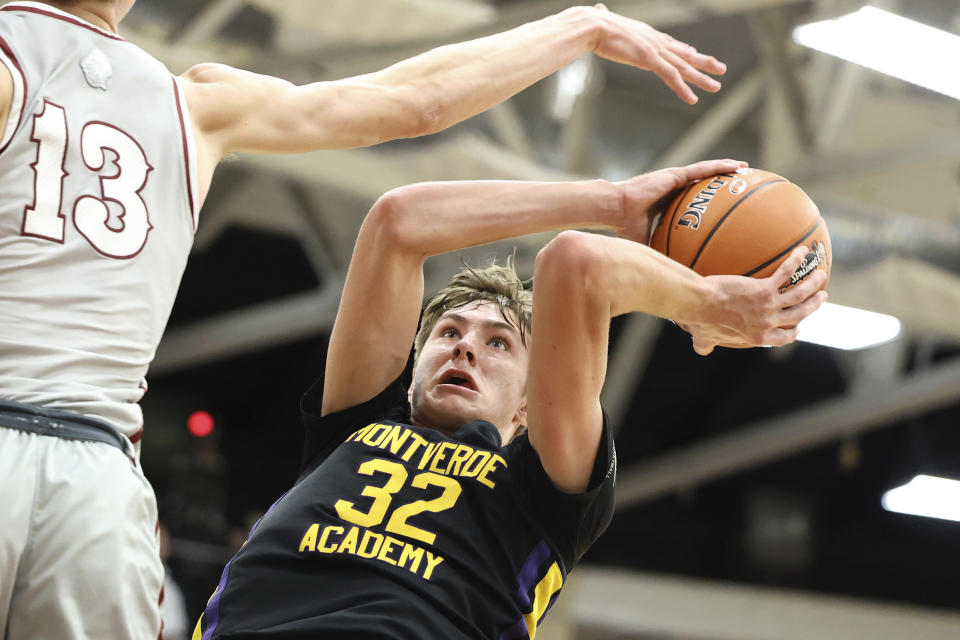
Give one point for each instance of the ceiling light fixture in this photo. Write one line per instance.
(927, 496)
(891, 44)
(840, 327)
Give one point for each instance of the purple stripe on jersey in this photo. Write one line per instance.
(186, 150)
(211, 614)
(519, 629)
(64, 17)
(23, 107)
(526, 580)
(527, 577)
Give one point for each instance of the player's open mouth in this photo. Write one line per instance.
(458, 378)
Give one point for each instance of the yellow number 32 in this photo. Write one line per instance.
(383, 495)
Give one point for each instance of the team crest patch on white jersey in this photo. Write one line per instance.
(96, 69)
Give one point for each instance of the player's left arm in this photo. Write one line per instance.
(238, 111)
(583, 280)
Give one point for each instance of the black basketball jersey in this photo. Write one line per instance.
(398, 531)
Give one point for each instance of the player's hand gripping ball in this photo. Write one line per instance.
(744, 223)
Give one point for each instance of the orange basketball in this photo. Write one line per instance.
(743, 223)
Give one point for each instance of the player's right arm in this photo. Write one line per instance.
(383, 292)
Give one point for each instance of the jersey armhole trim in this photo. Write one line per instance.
(189, 150)
(18, 101)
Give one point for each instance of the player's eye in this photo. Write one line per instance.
(499, 343)
(449, 332)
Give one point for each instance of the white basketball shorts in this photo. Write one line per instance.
(79, 552)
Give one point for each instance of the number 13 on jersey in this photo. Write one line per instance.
(127, 234)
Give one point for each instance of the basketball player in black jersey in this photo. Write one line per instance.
(80, 560)
(420, 513)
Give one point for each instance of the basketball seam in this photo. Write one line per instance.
(787, 250)
(727, 215)
(673, 216)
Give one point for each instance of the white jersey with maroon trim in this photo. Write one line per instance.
(98, 206)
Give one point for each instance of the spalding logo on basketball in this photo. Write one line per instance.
(743, 223)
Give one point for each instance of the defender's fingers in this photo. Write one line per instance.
(691, 74)
(671, 77)
(689, 53)
(701, 61)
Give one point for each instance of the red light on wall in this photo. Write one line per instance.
(200, 424)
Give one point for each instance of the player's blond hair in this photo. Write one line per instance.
(496, 283)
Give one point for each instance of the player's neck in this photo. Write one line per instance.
(507, 433)
(101, 14)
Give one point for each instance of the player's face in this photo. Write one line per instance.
(473, 366)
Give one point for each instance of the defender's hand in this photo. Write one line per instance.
(638, 44)
(748, 312)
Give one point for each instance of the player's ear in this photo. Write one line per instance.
(520, 417)
(410, 388)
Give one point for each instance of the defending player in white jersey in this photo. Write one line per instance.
(105, 159)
